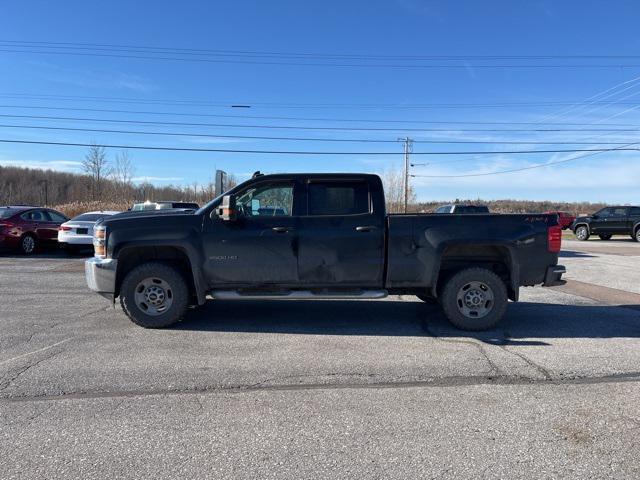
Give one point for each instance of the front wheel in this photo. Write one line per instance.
(474, 299)
(604, 237)
(636, 235)
(582, 233)
(154, 295)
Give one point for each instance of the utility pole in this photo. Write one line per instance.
(407, 149)
(46, 191)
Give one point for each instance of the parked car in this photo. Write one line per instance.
(26, 227)
(607, 222)
(462, 209)
(566, 219)
(164, 205)
(78, 232)
(323, 236)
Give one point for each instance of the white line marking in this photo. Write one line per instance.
(37, 351)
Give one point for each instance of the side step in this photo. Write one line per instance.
(297, 295)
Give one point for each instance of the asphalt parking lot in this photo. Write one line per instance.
(319, 389)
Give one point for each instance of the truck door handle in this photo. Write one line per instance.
(282, 229)
(365, 228)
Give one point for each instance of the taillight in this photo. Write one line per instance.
(100, 241)
(64, 228)
(6, 225)
(554, 238)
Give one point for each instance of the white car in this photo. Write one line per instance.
(78, 232)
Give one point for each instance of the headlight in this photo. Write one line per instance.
(100, 241)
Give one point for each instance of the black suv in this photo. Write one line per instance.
(608, 222)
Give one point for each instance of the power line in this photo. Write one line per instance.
(302, 152)
(299, 127)
(205, 135)
(306, 119)
(306, 139)
(530, 167)
(294, 105)
(317, 54)
(326, 64)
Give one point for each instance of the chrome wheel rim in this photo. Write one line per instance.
(153, 296)
(28, 244)
(581, 233)
(475, 299)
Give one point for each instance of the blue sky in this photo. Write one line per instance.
(196, 91)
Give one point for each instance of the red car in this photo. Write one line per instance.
(565, 218)
(26, 227)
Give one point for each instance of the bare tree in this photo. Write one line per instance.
(123, 173)
(393, 181)
(96, 165)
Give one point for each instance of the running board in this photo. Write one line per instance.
(298, 295)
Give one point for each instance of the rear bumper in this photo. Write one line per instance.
(553, 277)
(100, 275)
(75, 239)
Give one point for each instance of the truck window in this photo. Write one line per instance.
(272, 200)
(338, 198)
(635, 211)
(619, 212)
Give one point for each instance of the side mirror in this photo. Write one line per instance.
(227, 209)
(595, 215)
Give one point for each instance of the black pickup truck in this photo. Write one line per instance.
(319, 236)
(608, 222)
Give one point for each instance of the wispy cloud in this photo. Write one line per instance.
(94, 78)
(58, 165)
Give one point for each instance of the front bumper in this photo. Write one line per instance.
(553, 277)
(100, 275)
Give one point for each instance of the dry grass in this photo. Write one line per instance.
(76, 208)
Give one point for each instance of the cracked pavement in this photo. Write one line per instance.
(315, 389)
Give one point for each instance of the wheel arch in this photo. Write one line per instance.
(581, 224)
(496, 257)
(178, 256)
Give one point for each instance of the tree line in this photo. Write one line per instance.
(102, 181)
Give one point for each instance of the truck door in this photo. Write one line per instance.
(600, 221)
(617, 221)
(260, 247)
(341, 238)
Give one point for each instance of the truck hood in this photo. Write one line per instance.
(150, 217)
(584, 218)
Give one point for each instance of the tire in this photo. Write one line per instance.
(28, 244)
(154, 295)
(474, 299)
(636, 235)
(582, 233)
(428, 299)
(605, 237)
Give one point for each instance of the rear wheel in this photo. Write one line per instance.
(474, 299)
(28, 244)
(604, 236)
(582, 233)
(154, 295)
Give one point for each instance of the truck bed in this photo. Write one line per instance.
(417, 244)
